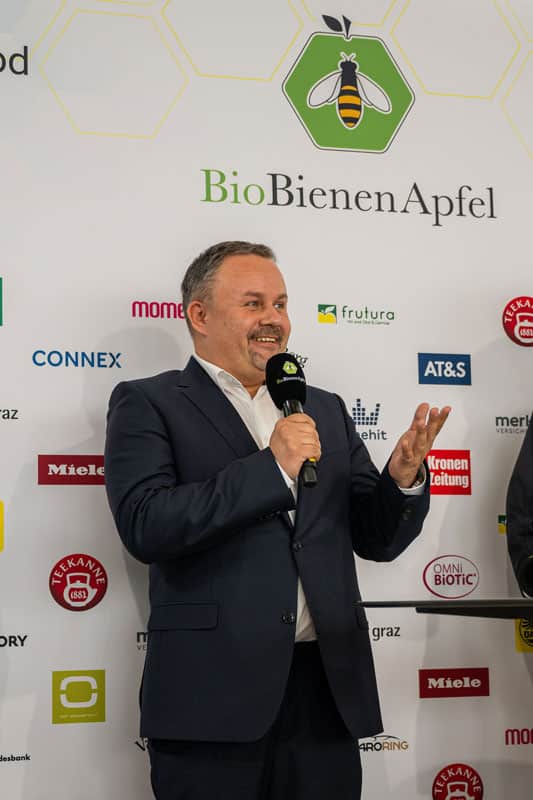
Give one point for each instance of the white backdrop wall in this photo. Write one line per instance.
(117, 122)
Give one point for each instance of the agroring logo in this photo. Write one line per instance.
(78, 582)
(348, 91)
(457, 782)
(517, 320)
(451, 576)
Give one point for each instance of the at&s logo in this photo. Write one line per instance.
(348, 91)
(440, 368)
(78, 696)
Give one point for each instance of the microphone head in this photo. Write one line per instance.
(285, 379)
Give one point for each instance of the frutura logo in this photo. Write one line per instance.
(283, 190)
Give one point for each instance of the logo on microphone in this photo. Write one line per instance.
(78, 582)
(327, 314)
(517, 320)
(290, 368)
(457, 782)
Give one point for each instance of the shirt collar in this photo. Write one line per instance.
(223, 379)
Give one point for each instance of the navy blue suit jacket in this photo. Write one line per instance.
(193, 497)
(520, 514)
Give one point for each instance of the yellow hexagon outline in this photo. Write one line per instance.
(456, 94)
(236, 77)
(521, 24)
(354, 22)
(514, 126)
(63, 106)
(144, 3)
(50, 25)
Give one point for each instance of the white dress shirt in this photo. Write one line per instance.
(260, 415)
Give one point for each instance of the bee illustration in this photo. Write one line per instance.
(351, 89)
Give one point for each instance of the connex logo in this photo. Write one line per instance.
(450, 471)
(155, 310)
(78, 696)
(457, 782)
(383, 743)
(367, 419)
(464, 682)
(87, 470)
(76, 358)
(451, 576)
(443, 368)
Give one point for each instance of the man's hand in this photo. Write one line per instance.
(295, 439)
(416, 443)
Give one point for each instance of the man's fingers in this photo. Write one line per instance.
(419, 416)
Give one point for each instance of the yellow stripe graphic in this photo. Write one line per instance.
(1, 526)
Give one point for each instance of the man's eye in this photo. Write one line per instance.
(252, 303)
(281, 306)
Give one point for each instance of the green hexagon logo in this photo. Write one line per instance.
(348, 91)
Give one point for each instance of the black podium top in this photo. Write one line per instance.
(497, 609)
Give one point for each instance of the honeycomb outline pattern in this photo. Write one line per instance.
(355, 22)
(512, 123)
(63, 106)
(235, 77)
(457, 94)
(516, 15)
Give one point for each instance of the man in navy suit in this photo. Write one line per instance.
(259, 676)
(520, 514)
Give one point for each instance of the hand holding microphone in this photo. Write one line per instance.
(294, 441)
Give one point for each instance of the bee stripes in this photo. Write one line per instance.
(349, 100)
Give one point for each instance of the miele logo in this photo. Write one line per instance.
(87, 470)
(462, 682)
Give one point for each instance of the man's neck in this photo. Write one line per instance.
(252, 387)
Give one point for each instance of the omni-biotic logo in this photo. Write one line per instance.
(348, 91)
(451, 576)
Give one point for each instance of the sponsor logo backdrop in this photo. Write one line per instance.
(134, 134)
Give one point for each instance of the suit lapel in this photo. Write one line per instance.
(198, 387)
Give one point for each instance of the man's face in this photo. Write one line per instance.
(245, 320)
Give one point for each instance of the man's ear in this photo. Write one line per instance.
(197, 312)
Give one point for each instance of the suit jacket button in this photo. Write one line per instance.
(297, 546)
(288, 618)
(406, 514)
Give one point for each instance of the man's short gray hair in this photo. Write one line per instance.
(198, 280)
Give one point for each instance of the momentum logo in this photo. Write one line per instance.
(450, 471)
(514, 736)
(78, 696)
(87, 470)
(463, 682)
(156, 310)
(442, 368)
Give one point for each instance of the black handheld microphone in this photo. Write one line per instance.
(285, 381)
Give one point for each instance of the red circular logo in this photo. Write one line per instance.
(78, 582)
(517, 321)
(457, 782)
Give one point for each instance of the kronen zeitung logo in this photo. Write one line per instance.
(348, 91)
(283, 190)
